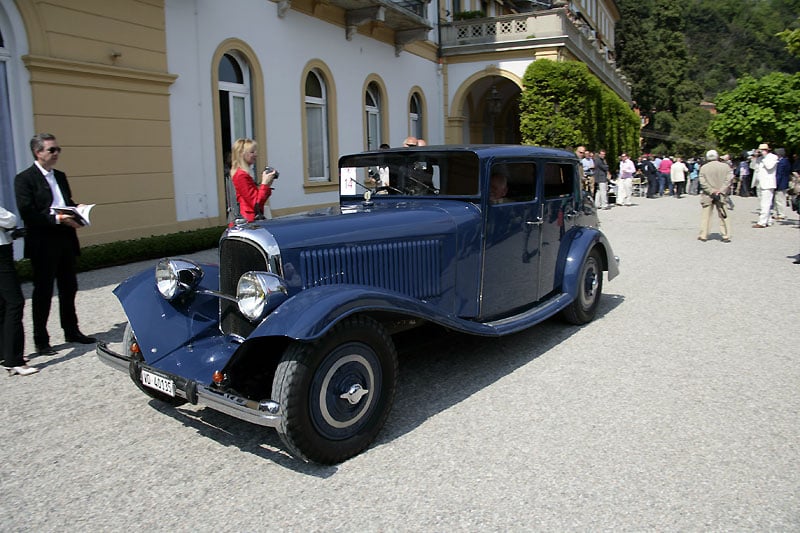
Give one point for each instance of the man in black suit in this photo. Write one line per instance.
(51, 242)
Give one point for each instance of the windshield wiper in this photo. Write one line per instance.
(377, 187)
(423, 184)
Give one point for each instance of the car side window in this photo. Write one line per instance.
(512, 182)
(559, 179)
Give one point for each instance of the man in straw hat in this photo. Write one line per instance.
(766, 165)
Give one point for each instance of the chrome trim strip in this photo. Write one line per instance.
(111, 358)
(264, 239)
(264, 413)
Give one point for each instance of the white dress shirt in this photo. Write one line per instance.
(8, 220)
(58, 198)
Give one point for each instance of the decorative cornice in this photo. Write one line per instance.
(70, 69)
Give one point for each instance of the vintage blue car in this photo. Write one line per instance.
(294, 328)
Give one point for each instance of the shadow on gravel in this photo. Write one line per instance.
(228, 431)
(66, 352)
(438, 369)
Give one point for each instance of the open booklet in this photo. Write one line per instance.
(80, 213)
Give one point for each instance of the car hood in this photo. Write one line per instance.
(414, 248)
(376, 222)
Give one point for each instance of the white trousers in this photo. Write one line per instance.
(601, 196)
(765, 216)
(624, 191)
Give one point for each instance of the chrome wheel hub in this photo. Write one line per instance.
(354, 394)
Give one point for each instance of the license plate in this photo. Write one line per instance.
(159, 383)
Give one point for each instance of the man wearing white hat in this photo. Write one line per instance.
(715, 181)
(766, 165)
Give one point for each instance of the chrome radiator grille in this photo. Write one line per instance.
(412, 268)
(235, 258)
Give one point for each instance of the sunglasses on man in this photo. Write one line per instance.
(54, 149)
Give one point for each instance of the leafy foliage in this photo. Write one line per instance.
(759, 110)
(677, 52)
(792, 39)
(564, 105)
(689, 135)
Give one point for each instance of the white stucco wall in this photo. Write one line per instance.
(284, 46)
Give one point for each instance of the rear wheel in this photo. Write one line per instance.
(590, 287)
(131, 348)
(336, 392)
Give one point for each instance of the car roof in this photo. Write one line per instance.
(484, 150)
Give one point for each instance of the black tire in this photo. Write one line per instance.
(590, 288)
(336, 392)
(128, 339)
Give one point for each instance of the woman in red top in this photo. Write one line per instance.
(251, 198)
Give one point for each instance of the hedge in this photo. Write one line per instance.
(130, 251)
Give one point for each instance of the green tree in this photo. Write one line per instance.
(652, 51)
(792, 39)
(564, 105)
(690, 135)
(677, 52)
(759, 110)
(552, 104)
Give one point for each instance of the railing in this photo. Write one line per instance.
(541, 28)
(481, 31)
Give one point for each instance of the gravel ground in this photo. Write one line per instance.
(677, 409)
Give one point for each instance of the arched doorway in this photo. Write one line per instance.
(489, 110)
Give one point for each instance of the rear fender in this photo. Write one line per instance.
(583, 241)
(161, 326)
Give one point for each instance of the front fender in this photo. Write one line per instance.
(161, 326)
(583, 241)
(311, 313)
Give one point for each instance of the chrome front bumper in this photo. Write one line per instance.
(263, 413)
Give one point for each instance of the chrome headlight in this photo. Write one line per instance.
(177, 276)
(258, 293)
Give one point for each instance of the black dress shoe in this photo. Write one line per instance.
(45, 349)
(80, 338)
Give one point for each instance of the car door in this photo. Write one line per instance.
(511, 245)
(560, 190)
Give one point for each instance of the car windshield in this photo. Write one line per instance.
(409, 173)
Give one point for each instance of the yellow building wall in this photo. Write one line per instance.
(100, 83)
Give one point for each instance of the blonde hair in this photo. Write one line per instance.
(239, 148)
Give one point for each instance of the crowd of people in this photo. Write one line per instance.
(772, 176)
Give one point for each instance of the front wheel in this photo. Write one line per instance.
(590, 287)
(336, 392)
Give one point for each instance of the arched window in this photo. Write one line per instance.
(372, 107)
(415, 117)
(236, 110)
(317, 136)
